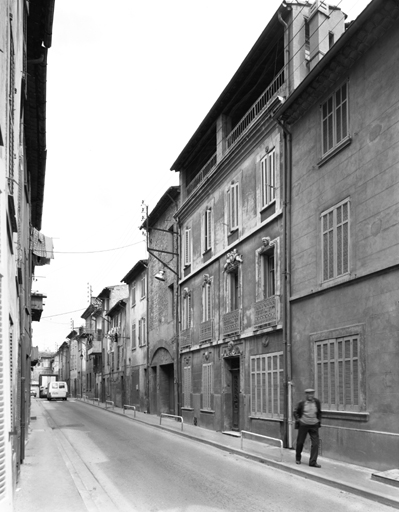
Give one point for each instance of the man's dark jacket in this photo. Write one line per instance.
(298, 411)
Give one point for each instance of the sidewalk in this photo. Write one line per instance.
(42, 456)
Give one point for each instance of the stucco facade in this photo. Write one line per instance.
(345, 252)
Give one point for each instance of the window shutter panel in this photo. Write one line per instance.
(209, 304)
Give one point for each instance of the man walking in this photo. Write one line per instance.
(308, 421)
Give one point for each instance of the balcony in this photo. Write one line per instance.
(206, 331)
(232, 322)
(94, 348)
(185, 338)
(276, 88)
(265, 312)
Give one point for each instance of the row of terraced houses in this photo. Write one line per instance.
(274, 265)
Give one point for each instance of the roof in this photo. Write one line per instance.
(170, 196)
(39, 28)
(246, 78)
(378, 17)
(135, 271)
(117, 307)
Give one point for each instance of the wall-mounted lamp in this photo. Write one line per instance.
(160, 275)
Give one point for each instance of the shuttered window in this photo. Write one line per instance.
(187, 247)
(207, 229)
(187, 386)
(337, 372)
(232, 196)
(335, 241)
(143, 286)
(134, 340)
(206, 302)
(335, 120)
(134, 294)
(268, 178)
(186, 310)
(142, 332)
(267, 385)
(207, 386)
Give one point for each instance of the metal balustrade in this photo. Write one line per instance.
(256, 110)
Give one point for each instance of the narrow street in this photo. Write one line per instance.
(119, 464)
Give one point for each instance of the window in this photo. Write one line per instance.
(232, 196)
(187, 386)
(268, 178)
(337, 373)
(186, 324)
(187, 247)
(142, 332)
(268, 274)
(267, 385)
(335, 119)
(207, 386)
(233, 289)
(143, 287)
(335, 241)
(207, 229)
(207, 301)
(133, 292)
(134, 341)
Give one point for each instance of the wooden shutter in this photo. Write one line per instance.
(133, 336)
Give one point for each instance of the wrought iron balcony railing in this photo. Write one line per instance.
(265, 312)
(232, 322)
(206, 331)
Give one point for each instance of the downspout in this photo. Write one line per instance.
(287, 330)
(177, 325)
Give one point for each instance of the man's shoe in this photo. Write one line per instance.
(315, 465)
(298, 461)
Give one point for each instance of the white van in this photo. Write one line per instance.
(57, 391)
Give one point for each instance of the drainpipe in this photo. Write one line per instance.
(287, 330)
(177, 325)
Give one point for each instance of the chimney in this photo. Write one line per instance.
(326, 25)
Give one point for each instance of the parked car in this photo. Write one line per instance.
(57, 391)
(33, 391)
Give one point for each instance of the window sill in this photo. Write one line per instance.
(345, 415)
(187, 409)
(334, 151)
(207, 411)
(264, 418)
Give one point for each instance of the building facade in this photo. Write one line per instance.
(343, 121)
(25, 36)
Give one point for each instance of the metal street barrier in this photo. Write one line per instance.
(163, 414)
(279, 441)
(109, 402)
(129, 407)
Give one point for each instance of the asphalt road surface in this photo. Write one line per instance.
(120, 464)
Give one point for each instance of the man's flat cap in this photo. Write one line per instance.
(309, 390)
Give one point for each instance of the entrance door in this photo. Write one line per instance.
(235, 397)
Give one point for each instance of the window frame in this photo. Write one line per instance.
(330, 111)
(332, 261)
(186, 310)
(143, 286)
(133, 294)
(207, 238)
(207, 302)
(268, 179)
(207, 386)
(187, 386)
(233, 206)
(187, 247)
(134, 336)
(262, 403)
